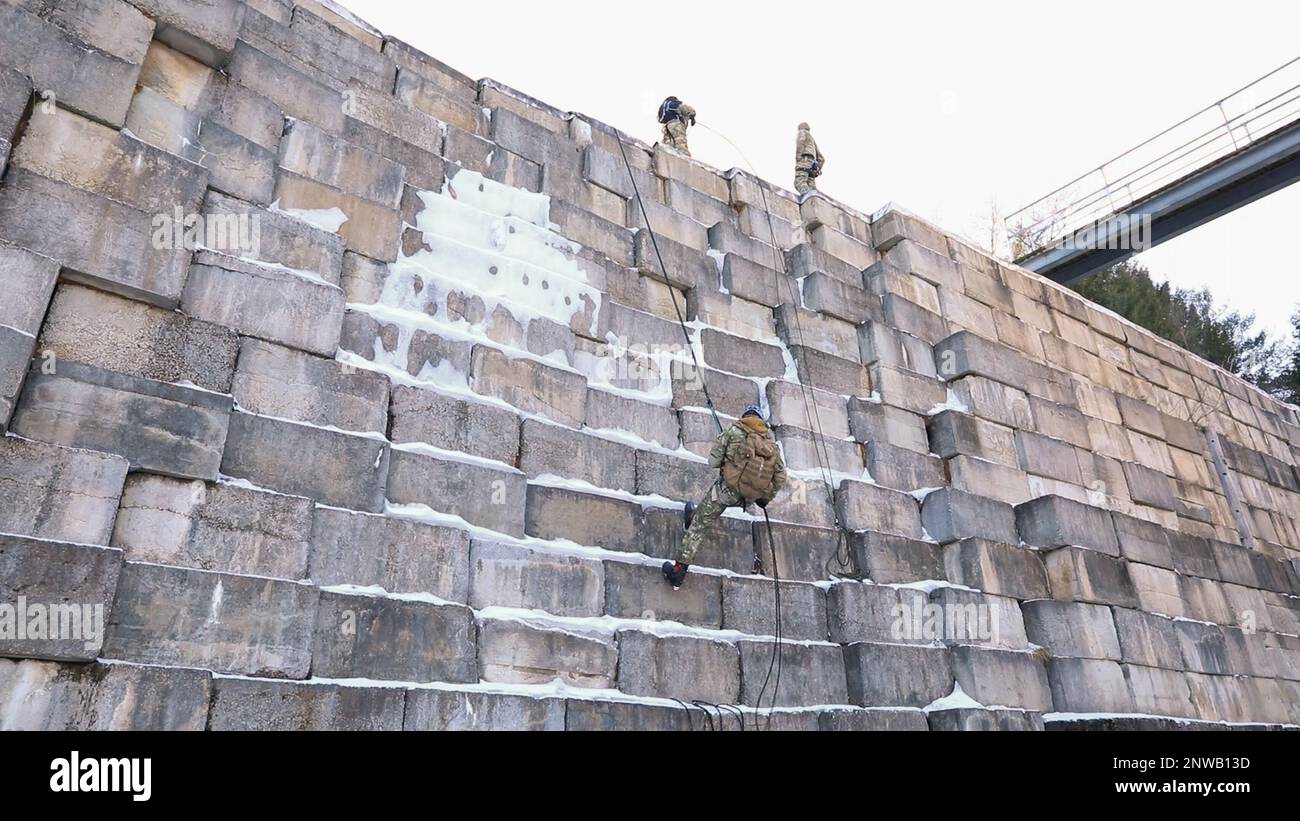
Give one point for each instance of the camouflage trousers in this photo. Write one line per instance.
(704, 525)
(675, 136)
(803, 181)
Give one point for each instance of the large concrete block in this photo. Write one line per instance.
(585, 518)
(59, 597)
(213, 526)
(89, 67)
(870, 719)
(1147, 640)
(586, 716)
(1077, 574)
(663, 474)
(863, 506)
(174, 616)
(503, 575)
(638, 591)
(393, 639)
(95, 328)
(889, 559)
(480, 429)
(831, 373)
(96, 239)
(1052, 458)
(331, 467)
(803, 553)
(820, 678)
(205, 31)
(1088, 686)
(437, 709)
(253, 704)
(397, 555)
(29, 284)
(43, 695)
(804, 450)
(276, 381)
(1001, 569)
(994, 401)
(530, 385)
(1054, 521)
(321, 157)
(896, 675)
(1001, 678)
(480, 492)
(16, 349)
(953, 433)
(678, 667)
(62, 146)
(653, 423)
(267, 303)
(370, 229)
(63, 494)
(1159, 692)
(281, 238)
(1004, 484)
(517, 653)
(858, 612)
(737, 355)
(755, 282)
(1142, 541)
(554, 450)
(875, 422)
(810, 329)
(903, 469)
(970, 617)
(838, 299)
(726, 390)
(952, 515)
(749, 605)
(1072, 629)
(162, 428)
(972, 719)
(791, 404)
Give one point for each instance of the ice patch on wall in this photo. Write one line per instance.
(487, 247)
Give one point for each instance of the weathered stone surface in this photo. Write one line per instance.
(953, 433)
(424, 415)
(480, 492)
(42, 695)
(1159, 692)
(63, 494)
(830, 372)
(902, 468)
(251, 704)
(370, 229)
(267, 303)
(872, 719)
(1054, 521)
(875, 422)
(896, 675)
(398, 555)
(276, 381)
(61, 596)
(863, 506)
(333, 468)
(395, 639)
(737, 355)
(555, 450)
(748, 605)
(638, 591)
(583, 715)
(654, 423)
(16, 350)
(1204, 647)
(803, 553)
(96, 239)
(94, 77)
(1045, 456)
(585, 518)
(731, 546)
(515, 652)
(663, 474)
(167, 429)
(531, 386)
(826, 294)
(804, 450)
(888, 559)
(811, 409)
(678, 667)
(205, 31)
(503, 575)
(213, 526)
(1072, 629)
(281, 239)
(1001, 569)
(1088, 686)
(428, 709)
(976, 720)
(952, 515)
(821, 678)
(176, 616)
(1077, 574)
(1001, 678)
(1147, 640)
(969, 617)
(1142, 541)
(29, 284)
(859, 612)
(999, 482)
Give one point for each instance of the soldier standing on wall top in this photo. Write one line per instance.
(675, 116)
(752, 472)
(808, 161)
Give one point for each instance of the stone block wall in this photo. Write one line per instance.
(342, 391)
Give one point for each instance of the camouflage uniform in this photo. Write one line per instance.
(805, 154)
(675, 131)
(720, 497)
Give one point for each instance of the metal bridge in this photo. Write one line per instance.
(1241, 148)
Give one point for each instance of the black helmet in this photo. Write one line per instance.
(668, 110)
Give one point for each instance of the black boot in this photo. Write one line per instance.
(688, 514)
(675, 573)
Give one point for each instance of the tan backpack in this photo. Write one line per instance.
(750, 465)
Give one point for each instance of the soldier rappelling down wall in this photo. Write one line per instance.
(752, 472)
(676, 116)
(808, 160)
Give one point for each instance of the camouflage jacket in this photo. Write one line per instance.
(804, 147)
(725, 444)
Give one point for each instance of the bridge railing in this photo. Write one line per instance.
(1223, 128)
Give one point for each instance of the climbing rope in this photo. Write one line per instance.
(776, 644)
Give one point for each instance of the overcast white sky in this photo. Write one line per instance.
(942, 107)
